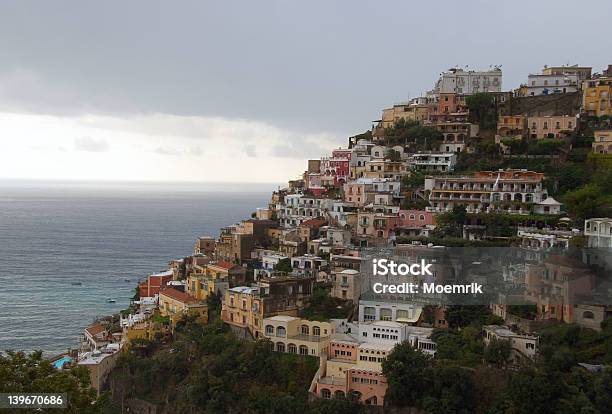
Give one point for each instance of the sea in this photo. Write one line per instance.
(66, 248)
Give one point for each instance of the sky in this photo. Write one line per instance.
(247, 91)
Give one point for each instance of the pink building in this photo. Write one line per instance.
(415, 218)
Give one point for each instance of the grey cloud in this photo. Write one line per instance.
(89, 144)
(299, 149)
(284, 63)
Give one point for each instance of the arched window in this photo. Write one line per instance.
(280, 331)
(269, 330)
(303, 350)
(588, 315)
(422, 217)
(316, 331)
(305, 330)
(325, 393)
(339, 394)
(292, 349)
(280, 347)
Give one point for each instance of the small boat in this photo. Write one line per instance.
(126, 280)
(109, 300)
(76, 283)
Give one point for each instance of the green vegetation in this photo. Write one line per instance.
(526, 311)
(283, 265)
(482, 110)
(23, 373)
(209, 370)
(467, 377)
(322, 306)
(414, 181)
(414, 135)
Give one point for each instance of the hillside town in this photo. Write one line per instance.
(466, 167)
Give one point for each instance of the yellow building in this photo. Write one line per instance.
(298, 336)
(551, 126)
(596, 96)
(175, 304)
(602, 144)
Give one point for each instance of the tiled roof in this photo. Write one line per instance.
(178, 295)
(224, 265)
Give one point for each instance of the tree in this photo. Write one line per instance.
(413, 181)
(498, 352)
(452, 391)
(283, 265)
(404, 369)
(30, 373)
(585, 202)
(482, 110)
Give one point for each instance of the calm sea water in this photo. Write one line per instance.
(98, 234)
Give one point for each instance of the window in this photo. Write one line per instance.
(325, 393)
(292, 349)
(303, 350)
(316, 331)
(305, 330)
(588, 315)
(269, 330)
(280, 331)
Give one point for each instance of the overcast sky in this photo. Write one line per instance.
(247, 90)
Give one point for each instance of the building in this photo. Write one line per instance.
(551, 126)
(512, 126)
(522, 346)
(583, 72)
(363, 191)
(307, 265)
(205, 245)
(352, 369)
(298, 336)
(468, 82)
(233, 273)
(602, 144)
(346, 284)
(548, 206)
(175, 304)
(535, 239)
(244, 308)
(555, 283)
(596, 96)
(598, 232)
(550, 84)
(383, 310)
(508, 190)
(456, 134)
(429, 161)
(154, 283)
(100, 363)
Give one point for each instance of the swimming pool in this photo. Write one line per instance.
(59, 364)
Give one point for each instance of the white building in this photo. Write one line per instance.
(298, 208)
(598, 232)
(469, 82)
(307, 265)
(378, 310)
(551, 84)
(428, 161)
(522, 346)
(548, 206)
